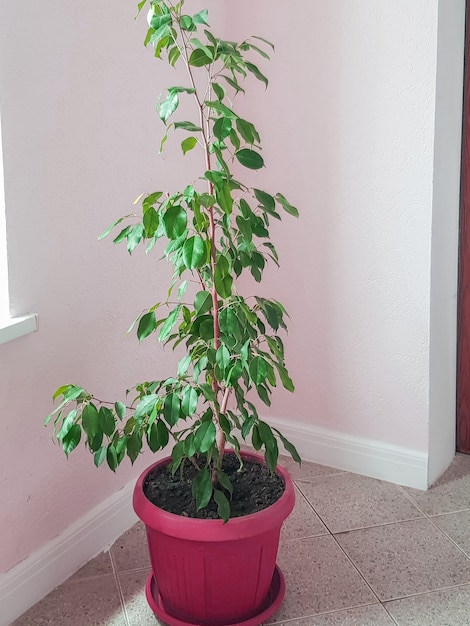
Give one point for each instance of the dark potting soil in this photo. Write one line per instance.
(254, 488)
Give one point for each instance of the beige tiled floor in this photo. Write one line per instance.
(355, 552)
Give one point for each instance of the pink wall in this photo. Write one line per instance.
(348, 124)
(351, 103)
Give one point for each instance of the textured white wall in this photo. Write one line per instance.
(348, 124)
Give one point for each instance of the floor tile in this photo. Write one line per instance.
(450, 607)
(348, 501)
(457, 527)
(450, 493)
(303, 521)
(319, 578)
(373, 615)
(87, 602)
(99, 566)
(133, 590)
(130, 551)
(405, 558)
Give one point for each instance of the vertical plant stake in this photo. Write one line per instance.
(214, 230)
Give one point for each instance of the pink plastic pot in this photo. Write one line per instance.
(208, 572)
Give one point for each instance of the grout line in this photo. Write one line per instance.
(425, 593)
(441, 531)
(323, 613)
(357, 569)
(449, 512)
(119, 589)
(407, 495)
(390, 615)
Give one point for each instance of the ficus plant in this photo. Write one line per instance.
(214, 230)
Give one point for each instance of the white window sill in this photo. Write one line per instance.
(14, 327)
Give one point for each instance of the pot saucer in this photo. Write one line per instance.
(272, 603)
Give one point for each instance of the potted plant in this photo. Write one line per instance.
(213, 547)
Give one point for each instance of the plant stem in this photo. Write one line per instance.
(220, 436)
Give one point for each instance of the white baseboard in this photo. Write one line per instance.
(395, 464)
(36, 576)
(32, 579)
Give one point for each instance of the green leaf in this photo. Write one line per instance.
(219, 91)
(229, 323)
(208, 392)
(147, 325)
(285, 378)
(110, 228)
(122, 235)
(271, 456)
(208, 51)
(202, 488)
(134, 237)
(204, 437)
(291, 449)
(234, 374)
(175, 221)
(186, 23)
(225, 481)
(140, 6)
(95, 443)
(249, 46)
(244, 226)
(151, 221)
(258, 370)
(171, 409)
(250, 159)
(188, 144)
(189, 401)
(224, 198)
(256, 72)
(223, 505)
(221, 109)
(266, 435)
(111, 457)
(67, 424)
(159, 20)
(201, 17)
(120, 409)
(233, 83)
(182, 289)
(163, 434)
(134, 446)
(265, 199)
(188, 126)
(107, 421)
(90, 420)
(222, 358)
(255, 438)
(194, 252)
(223, 284)
(72, 439)
(202, 302)
(99, 456)
(146, 405)
(170, 321)
(286, 205)
(199, 58)
(263, 394)
(247, 131)
(168, 106)
(222, 128)
(264, 41)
